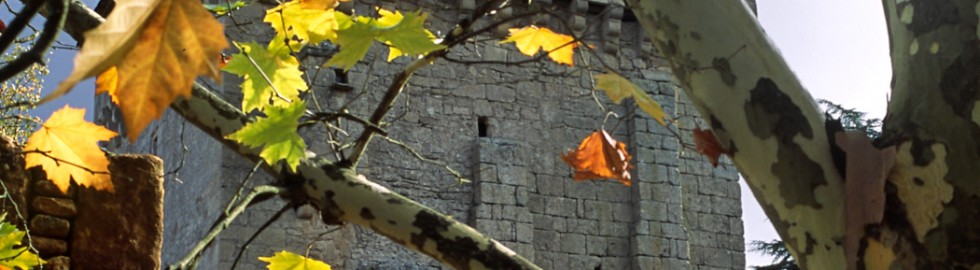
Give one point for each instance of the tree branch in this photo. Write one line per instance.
(342, 195)
(190, 260)
(761, 114)
(36, 54)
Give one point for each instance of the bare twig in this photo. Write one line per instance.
(27, 231)
(52, 27)
(417, 155)
(190, 260)
(241, 251)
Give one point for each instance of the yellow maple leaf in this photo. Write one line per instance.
(71, 145)
(285, 260)
(529, 40)
(158, 48)
(303, 21)
(619, 88)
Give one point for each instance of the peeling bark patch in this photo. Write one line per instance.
(366, 214)
(927, 15)
(924, 202)
(960, 83)
(770, 112)
(724, 70)
(794, 165)
(459, 250)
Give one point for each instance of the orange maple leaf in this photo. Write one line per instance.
(599, 156)
(529, 40)
(158, 48)
(707, 144)
(72, 151)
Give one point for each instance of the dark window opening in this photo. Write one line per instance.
(483, 127)
(340, 75)
(341, 82)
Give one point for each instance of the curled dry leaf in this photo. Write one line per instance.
(707, 144)
(599, 156)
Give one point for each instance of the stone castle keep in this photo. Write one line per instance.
(502, 126)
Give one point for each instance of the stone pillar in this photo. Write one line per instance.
(122, 230)
(659, 237)
(501, 195)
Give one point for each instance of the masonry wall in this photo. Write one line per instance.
(680, 213)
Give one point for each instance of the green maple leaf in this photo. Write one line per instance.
(354, 37)
(406, 34)
(285, 260)
(619, 88)
(277, 133)
(280, 67)
(11, 257)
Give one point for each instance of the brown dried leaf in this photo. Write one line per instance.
(599, 156)
(707, 144)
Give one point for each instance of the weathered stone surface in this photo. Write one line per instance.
(123, 230)
(45, 187)
(58, 263)
(14, 177)
(48, 247)
(54, 206)
(45, 225)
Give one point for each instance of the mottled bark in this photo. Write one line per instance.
(777, 137)
(760, 113)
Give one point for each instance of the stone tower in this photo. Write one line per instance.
(501, 125)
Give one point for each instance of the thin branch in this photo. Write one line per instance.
(417, 155)
(27, 231)
(324, 117)
(190, 260)
(36, 54)
(19, 22)
(241, 251)
(59, 160)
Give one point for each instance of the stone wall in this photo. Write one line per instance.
(503, 127)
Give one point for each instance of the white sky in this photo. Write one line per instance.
(839, 50)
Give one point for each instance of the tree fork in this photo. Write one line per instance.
(341, 193)
(768, 123)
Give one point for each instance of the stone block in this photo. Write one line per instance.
(550, 185)
(559, 206)
(128, 224)
(58, 263)
(598, 210)
(500, 93)
(47, 247)
(614, 229)
(54, 206)
(583, 226)
(476, 91)
(550, 223)
(546, 240)
(596, 245)
(47, 188)
(618, 245)
(573, 243)
(655, 211)
(649, 263)
(580, 189)
(45, 225)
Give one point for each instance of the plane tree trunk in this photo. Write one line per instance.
(915, 206)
